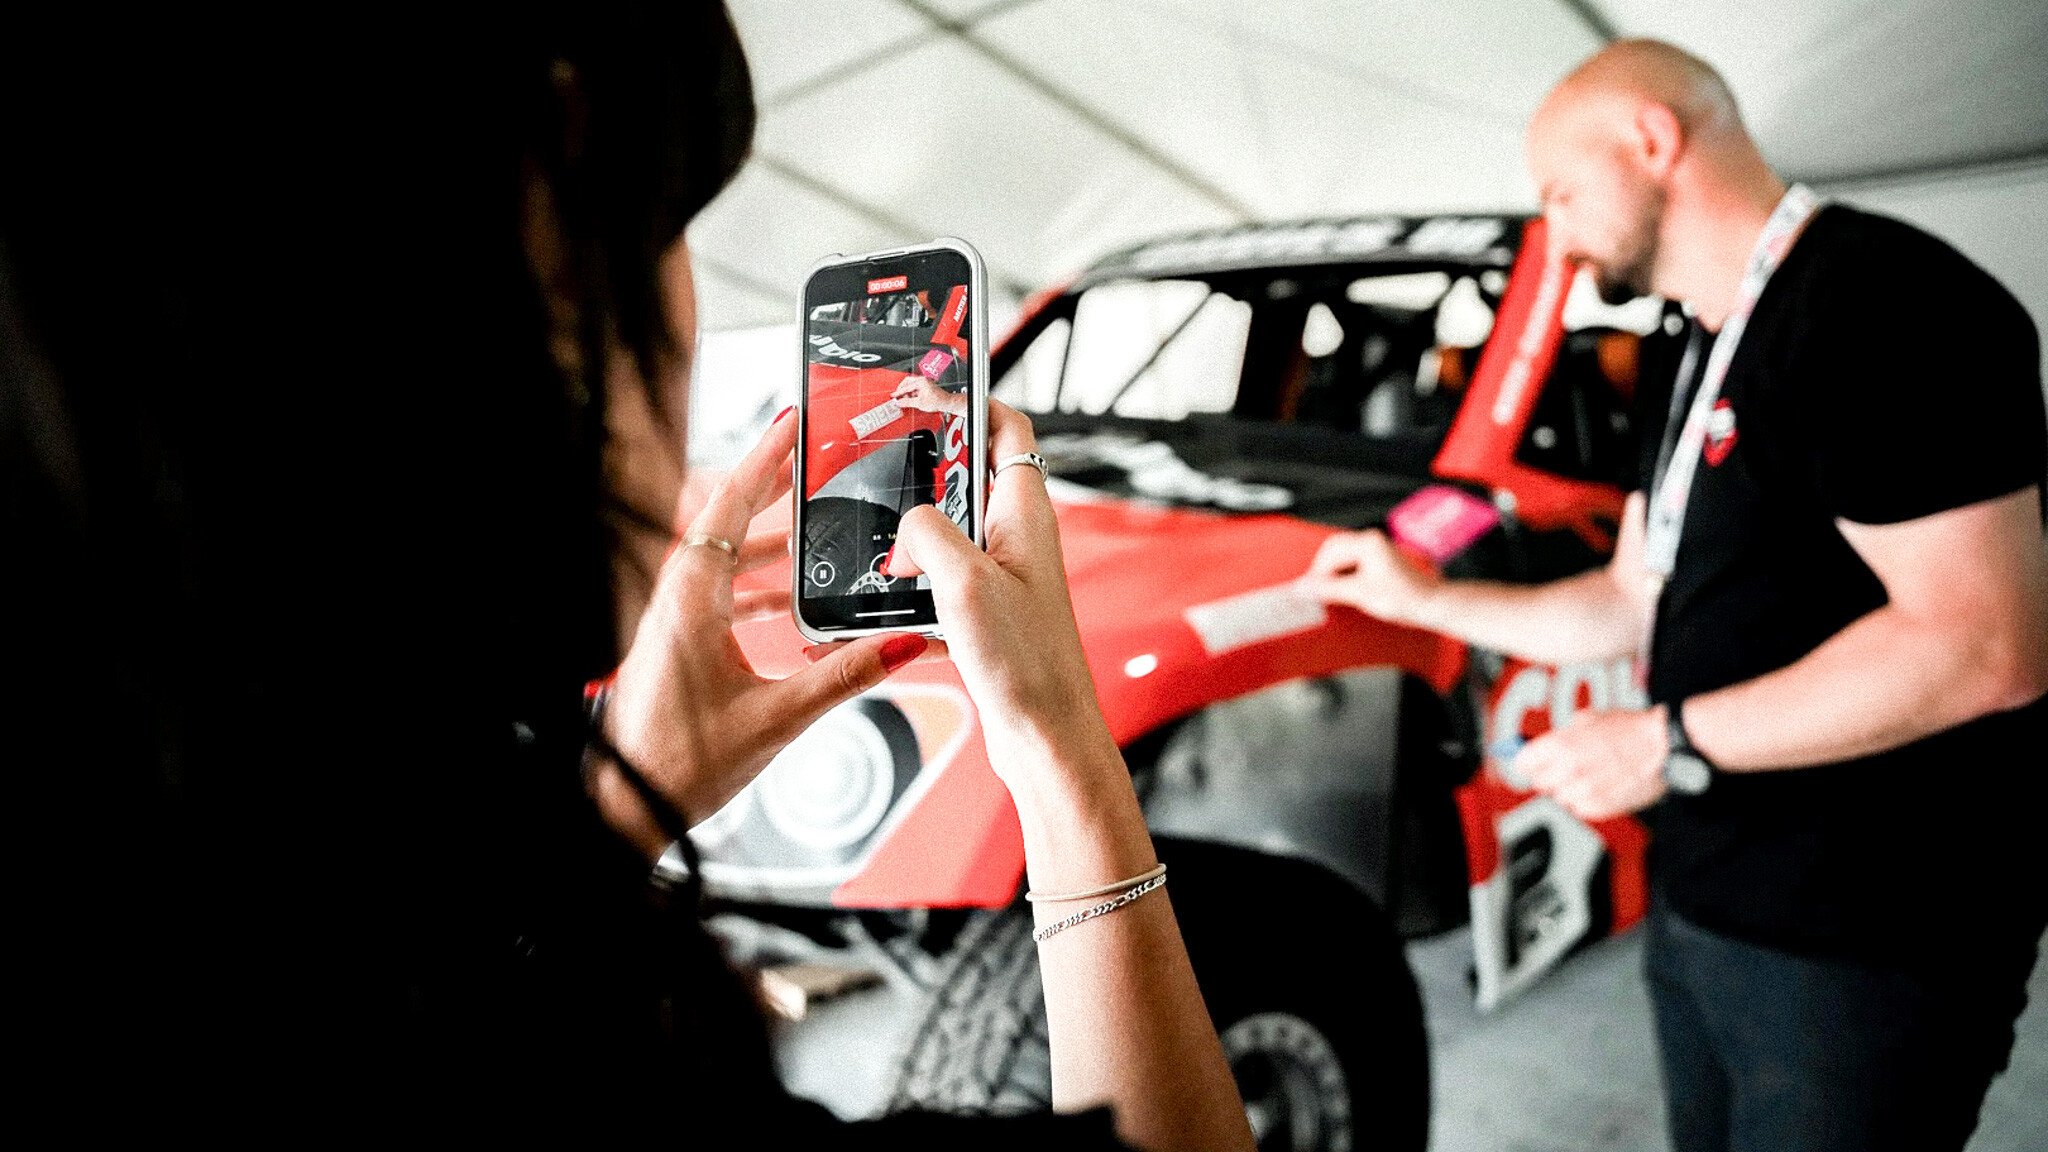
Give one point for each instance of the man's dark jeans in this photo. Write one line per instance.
(1768, 1051)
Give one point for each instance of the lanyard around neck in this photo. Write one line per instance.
(1671, 491)
(1678, 460)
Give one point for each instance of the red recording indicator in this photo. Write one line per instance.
(888, 284)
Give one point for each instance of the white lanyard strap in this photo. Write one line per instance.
(1673, 490)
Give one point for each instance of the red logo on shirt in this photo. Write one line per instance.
(1720, 433)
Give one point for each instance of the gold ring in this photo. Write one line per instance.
(725, 546)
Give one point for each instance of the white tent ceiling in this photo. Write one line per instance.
(1051, 131)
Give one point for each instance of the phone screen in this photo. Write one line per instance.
(889, 404)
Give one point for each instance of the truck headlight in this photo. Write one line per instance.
(831, 787)
(818, 804)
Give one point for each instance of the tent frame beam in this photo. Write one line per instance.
(1595, 21)
(1962, 168)
(963, 31)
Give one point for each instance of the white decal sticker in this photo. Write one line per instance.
(1530, 914)
(1304, 242)
(1515, 384)
(880, 416)
(1451, 236)
(828, 347)
(1252, 617)
(1157, 472)
(955, 503)
(1365, 237)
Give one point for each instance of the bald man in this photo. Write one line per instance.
(1838, 582)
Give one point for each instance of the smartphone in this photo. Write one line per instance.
(892, 412)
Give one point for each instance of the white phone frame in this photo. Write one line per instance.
(977, 421)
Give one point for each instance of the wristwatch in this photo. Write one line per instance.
(1686, 771)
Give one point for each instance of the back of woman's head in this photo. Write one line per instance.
(304, 353)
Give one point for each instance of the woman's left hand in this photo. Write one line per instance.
(686, 709)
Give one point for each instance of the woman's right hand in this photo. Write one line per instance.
(1006, 613)
(1124, 1014)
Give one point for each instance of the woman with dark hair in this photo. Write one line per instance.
(340, 423)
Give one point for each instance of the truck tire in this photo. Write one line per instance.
(1303, 977)
(980, 1043)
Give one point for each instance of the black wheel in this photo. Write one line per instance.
(1310, 992)
(980, 1045)
(1295, 1089)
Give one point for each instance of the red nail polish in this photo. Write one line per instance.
(901, 650)
(888, 556)
(781, 414)
(815, 653)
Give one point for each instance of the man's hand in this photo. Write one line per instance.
(1366, 571)
(1604, 764)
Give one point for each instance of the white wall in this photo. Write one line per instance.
(740, 379)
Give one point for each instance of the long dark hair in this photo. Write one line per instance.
(305, 348)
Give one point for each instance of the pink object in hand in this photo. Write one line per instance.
(934, 364)
(1440, 522)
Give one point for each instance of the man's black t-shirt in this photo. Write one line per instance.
(1883, 377)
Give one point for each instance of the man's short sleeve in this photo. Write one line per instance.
(1924, 381)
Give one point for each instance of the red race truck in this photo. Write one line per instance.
(1324, 785)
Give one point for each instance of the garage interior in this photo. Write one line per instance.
(1053, 132)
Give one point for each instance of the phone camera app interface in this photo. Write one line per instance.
(887, 429)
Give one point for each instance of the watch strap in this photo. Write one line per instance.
(1680, 740)
(1686, 772)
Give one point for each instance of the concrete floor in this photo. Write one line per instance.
(1572, 1065)
(1569, 1067)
